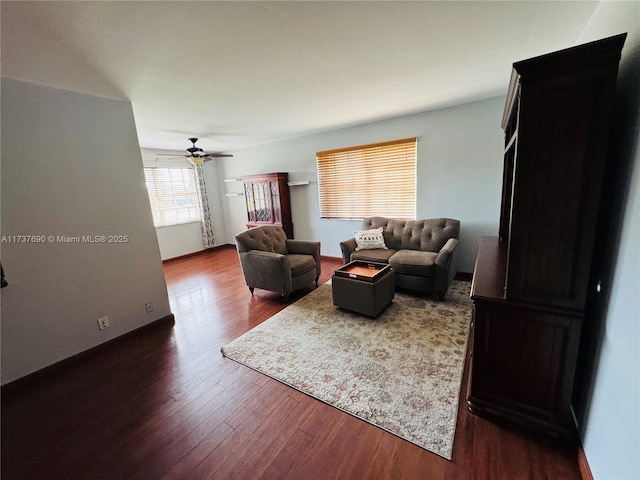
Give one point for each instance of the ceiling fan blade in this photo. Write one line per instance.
(195, 153)
(174, 157)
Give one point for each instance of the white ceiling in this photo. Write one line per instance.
(242, 73)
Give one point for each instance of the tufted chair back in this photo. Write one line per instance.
(428, 235)
(268, 238)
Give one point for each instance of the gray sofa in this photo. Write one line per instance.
(271, 261)
(422, 253)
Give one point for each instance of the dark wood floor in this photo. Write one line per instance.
(166, 404)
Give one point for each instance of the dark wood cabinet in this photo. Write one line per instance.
(531, 282)
(267, 200)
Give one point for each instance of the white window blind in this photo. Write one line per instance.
(173, 194)
(368, 180)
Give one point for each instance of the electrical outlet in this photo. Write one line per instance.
(103, 322)
(149, 306)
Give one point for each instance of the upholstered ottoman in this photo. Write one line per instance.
(363, 287)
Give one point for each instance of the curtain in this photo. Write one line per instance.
(208, 240)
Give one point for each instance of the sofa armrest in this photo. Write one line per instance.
(306, 247)
(446, 252)
(348, 247)
(447, 260)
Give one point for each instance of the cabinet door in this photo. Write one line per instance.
(557, 189)
(523, 365)
(263, 202)
(276, 210)
(259, 200)
(268, 202)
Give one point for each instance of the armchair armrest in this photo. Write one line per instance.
(268, 270)
(306, 247)
(303, 247)
(348, 247)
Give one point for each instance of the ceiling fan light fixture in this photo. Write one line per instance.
(196, 161)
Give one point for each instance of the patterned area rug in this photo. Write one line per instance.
(401, 371)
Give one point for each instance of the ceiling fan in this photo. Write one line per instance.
(196, 155)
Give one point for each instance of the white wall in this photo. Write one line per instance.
(178, 240)
(459, 172)
(71, 166)
(611, 430)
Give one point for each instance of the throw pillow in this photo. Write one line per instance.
(369, 239)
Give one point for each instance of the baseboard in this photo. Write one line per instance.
(199, 252)
(464, 276)
(29, 380)
(583, 465)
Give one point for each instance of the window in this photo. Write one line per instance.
(173, 194)
(368, 180)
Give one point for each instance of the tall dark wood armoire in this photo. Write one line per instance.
(268, 202)
(531, 283)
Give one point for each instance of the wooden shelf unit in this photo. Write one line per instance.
(532, 281)
(268, 201)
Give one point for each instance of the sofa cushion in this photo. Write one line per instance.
(369, 239)
(379, 256)
(301, 264)
(414, 262)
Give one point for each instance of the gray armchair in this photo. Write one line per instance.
(271, 261)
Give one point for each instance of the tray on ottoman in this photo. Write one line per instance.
(363, 287)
